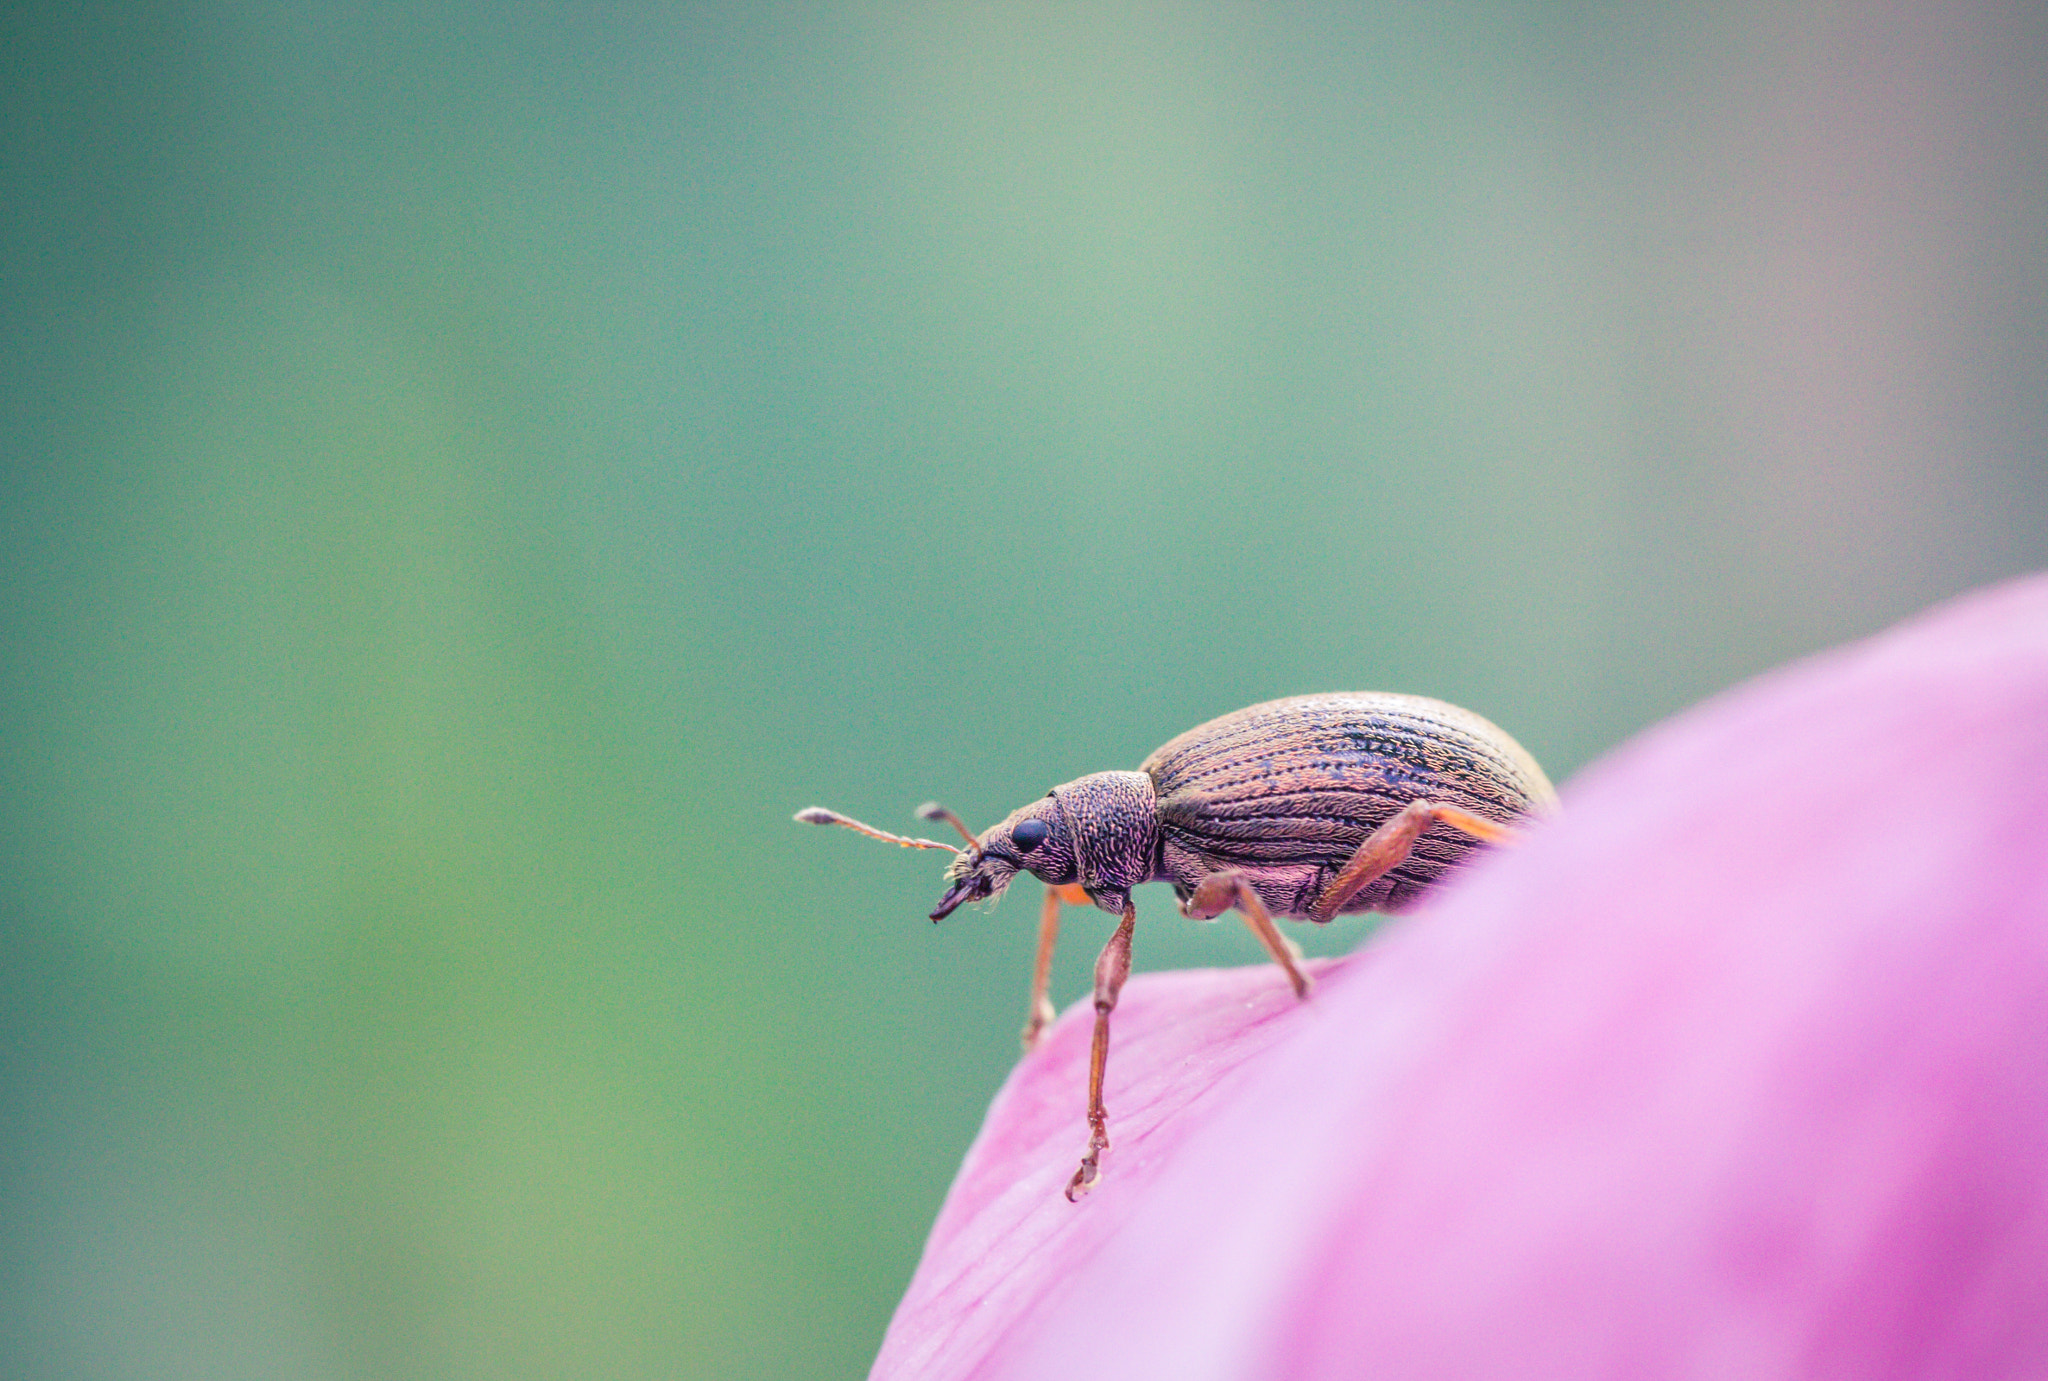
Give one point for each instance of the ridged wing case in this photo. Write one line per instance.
(1286, 791)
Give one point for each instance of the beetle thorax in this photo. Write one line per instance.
(1113, 819)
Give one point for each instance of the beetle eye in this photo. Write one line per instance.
(1029, 834)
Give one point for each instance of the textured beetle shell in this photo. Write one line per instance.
(1110, 817)
(1287, 790)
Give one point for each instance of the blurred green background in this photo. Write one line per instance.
(472, 471)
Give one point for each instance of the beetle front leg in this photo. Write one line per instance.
(1111, 969)
(1386, 847)
(1220, 891)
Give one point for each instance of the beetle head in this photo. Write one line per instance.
(1100, 831)
(1033, 839)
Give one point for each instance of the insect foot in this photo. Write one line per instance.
(1091, 1164)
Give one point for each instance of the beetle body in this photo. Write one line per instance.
(1309, 807)
(1283, 793)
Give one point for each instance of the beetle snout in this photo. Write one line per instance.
(972, 887)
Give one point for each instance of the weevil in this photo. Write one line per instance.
(1310, 807)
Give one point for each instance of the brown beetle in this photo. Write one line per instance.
(1308, 807)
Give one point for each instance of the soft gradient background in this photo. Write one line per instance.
(471, 471)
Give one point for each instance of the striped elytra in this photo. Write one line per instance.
(1285, 791)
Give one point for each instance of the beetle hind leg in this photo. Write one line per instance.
(1388, 846)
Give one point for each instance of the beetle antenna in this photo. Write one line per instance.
(818, 815)
(932, 810)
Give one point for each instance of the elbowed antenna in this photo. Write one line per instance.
(932, 810)
(818, 815)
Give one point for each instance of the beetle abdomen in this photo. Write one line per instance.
(1290, 788)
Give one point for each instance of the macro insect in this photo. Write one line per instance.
(1310, 807)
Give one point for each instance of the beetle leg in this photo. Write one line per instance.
(1042, 1011)
(1385, 848)
(1220, 891)
(1111, 969)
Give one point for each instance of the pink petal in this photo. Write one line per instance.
(1738, 1069)
(1007, 1238)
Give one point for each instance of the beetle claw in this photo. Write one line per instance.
(1091, 1164)
(1084, 1178)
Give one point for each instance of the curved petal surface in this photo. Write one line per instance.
(1740, 1068)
